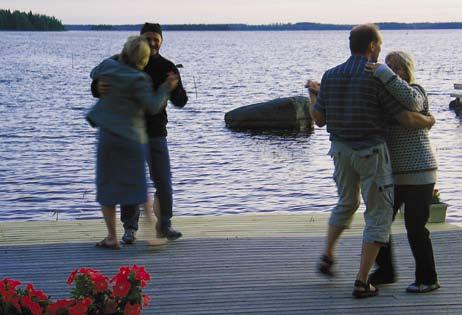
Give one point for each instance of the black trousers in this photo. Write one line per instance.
(129, 215)
(416, 200)
(158, 159)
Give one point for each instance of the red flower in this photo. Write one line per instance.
(132, 309)
(87, 301)
(72, 277)
(124, 271)
(58, 305)
(7, 292)
(121, 288)
(89, 283)
(80, 307)
(92, 273)
(96, 276)
(40, 295)
(141, 275)
(101, 284)
(9, 283)
(30, 288)
(123, 274)
(14, 301)
(34, 308)
(87, 271)
(122, 284)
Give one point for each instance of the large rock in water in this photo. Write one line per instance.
(282, 113)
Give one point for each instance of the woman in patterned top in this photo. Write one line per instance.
(414, 169)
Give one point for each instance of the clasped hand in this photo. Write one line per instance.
(171, 82)
(313, 86)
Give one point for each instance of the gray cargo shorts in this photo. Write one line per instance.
(366, 171)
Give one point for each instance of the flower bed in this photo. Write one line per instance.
(93, 294)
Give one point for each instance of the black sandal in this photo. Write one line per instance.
(325, 266)
(364, 290)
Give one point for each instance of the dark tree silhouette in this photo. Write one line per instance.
(22, 21)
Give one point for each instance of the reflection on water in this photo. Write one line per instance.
(47, 149)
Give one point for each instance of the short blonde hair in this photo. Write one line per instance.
(404, 61)
(135, 49)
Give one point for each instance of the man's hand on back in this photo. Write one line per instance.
(102, 87)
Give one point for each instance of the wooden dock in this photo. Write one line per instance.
(236, 264)
(457, 95)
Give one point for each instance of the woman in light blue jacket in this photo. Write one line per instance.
(119, 115)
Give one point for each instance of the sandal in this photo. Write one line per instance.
(364, 290)
(325, 266)
(104, 244)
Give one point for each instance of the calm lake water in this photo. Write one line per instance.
(47, 150)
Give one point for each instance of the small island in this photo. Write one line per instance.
(23, 21)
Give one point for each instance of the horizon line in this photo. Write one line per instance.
(269, 24)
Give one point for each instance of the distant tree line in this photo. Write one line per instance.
(419, 26)
(305, 26)
(101, 27)
(22, 21)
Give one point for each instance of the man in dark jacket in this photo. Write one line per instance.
(159, 161)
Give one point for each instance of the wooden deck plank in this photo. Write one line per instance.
(256, 264)
(226, 226)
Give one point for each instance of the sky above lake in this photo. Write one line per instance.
(241, 11)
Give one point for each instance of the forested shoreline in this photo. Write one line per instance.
(28, 21)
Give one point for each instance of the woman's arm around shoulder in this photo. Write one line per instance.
(152, 102)
(407, 95)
